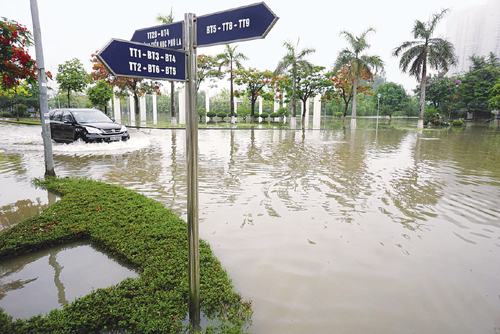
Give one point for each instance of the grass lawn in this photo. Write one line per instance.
(141, 232)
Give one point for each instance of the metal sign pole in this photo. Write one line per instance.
(192, 171)
(42, 88)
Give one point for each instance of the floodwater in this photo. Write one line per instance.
(326, 231)
(50, 278)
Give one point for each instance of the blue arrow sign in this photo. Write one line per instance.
(138, 60)
(168, 36)
(239, 24)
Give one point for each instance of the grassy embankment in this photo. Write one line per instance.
(141, 232)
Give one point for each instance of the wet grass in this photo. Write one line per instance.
(141, 232)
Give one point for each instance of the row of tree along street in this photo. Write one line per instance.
(352, 86)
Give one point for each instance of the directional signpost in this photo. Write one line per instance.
(151, 55)
(239, 24)
(139, 60)
(168, 36)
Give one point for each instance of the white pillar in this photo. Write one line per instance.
(116, 109)
(132, 110)
(317, 112)
(260, 104)
(182, 106)
(155, 110)
(142, 108)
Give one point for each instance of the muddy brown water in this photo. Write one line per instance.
(326, 231)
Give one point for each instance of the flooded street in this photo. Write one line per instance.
(326, 231)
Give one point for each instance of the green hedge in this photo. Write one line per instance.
(140, 231)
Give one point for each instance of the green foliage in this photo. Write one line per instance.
(141, 232)
(5, 114)
(71, 76)
(100, 94)
(494, 100)
(264, 115)
(222, 115)
(477, 86)
(392, 96)
(458, 123)
(294, 60)
(211, 114)
(338, 114)
(426, 50)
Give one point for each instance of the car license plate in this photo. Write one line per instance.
(114, 138)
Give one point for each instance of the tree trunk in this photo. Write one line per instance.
(252, 110)
(69, 104)
(420, 124)
(17, 107)
(354, 98)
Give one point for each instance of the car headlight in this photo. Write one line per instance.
(123, 129)
(92, 130)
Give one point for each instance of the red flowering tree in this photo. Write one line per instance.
(16, 65)
(255, 82)
(126, 86)
(341, 87)
(208, 68)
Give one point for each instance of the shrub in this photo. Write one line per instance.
(222, 115)
(274, 114)
(202, 112)
(264, 115)
(5, 114)
(338, 114)
(458, 122)
(211, 114)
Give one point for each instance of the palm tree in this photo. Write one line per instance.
(167, 20)
(358, 63)
(294, 60)
(230, 59)
(438, 53)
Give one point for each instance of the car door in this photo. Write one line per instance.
(55, 125)
(67, 126)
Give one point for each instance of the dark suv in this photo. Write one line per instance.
(89, 125)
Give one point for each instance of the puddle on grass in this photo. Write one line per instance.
(48, 279)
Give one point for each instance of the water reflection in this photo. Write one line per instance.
(320, 228)
(48, 279)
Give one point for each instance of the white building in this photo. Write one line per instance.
(474, 31)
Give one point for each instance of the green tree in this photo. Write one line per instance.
(477, 86)
(255, 82)
(208, 68)
(424, 51)
(231, 60)
(71, 76)
(100, 94)
(310, 83)
(294, 60)
(495, 97)
(167, 19)
(393, 97)
(359, 63)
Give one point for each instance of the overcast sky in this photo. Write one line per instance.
(78, 28)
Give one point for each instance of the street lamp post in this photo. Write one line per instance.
(378, 107)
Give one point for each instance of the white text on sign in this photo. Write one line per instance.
(228, 26)
(152, 55)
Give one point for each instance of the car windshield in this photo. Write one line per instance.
(91, 116)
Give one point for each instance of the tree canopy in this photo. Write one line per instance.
(359, 64)
(425, 51)
(231, 60)
(71, 76)
(294, 59)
